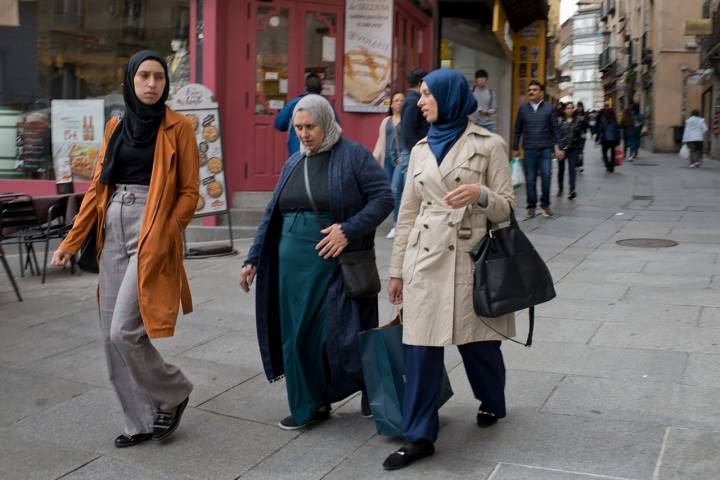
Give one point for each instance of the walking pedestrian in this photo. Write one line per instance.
(583, 118)
(329, 199)
(537, 126)
(571, 141)
(485, 97)
(413, 128)
(639, 119)
(608, 133)
(459, 178)
(629, 132)
(694, 137)
(387, 147)
(143, 194)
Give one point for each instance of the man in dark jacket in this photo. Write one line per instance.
(537, 125)
(413, 128)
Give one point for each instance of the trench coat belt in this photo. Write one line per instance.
(456, 214)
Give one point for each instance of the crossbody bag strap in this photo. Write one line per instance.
(531, 327)
(308, 191)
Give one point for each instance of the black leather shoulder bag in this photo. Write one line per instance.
(509, 275)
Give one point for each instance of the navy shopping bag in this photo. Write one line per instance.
(384, 371)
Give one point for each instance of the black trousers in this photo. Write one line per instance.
(608, 155)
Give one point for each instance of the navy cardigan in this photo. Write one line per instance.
(360, 199)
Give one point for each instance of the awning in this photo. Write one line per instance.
(521, 13)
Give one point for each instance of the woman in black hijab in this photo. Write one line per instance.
(144, 192)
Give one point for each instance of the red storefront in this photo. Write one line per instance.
(255, 55)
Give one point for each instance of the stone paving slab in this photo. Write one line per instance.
(636, 401)
(508, 471)
(659, 335)
(23, 458)
(112, 469)
(597, 361)
(689, 454)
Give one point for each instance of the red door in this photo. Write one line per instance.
(285, 41)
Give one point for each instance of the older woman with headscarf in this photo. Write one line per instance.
(457, 179)
(143, 194)
(307, 324)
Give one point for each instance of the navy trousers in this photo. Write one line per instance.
(423, 379)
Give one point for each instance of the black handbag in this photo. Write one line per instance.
(509, 275)
(87, 255)
(359, 270)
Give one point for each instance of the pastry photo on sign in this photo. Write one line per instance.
(366, 76)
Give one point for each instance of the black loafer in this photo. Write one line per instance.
(125, 440)
(288, 423)
(408, 453)
(166, 423)
(365, 406)
(486, 419)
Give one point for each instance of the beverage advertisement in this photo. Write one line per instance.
(77, 134)
(368, 55)
(198, 104)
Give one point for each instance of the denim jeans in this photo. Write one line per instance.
(537, 162)
(398, 182)
(571, 159)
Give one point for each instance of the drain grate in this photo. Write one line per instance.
(645, 164)
(647, 243)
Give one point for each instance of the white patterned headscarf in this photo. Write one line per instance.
(323, 113)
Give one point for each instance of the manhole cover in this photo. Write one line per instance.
(647, 242)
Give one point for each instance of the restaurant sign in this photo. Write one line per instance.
(77, 134)
(198, 104)
(367, 64)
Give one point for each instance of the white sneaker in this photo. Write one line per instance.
(391, 233)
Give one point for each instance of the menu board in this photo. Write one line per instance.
(368, 55)
(198, 103)
(77, 134)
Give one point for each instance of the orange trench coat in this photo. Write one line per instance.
(172, 199)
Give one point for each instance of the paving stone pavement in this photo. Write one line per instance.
(623, 381)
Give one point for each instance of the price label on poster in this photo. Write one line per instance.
(77, 134)
(199, 105)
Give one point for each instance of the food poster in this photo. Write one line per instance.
(77, 134)
(198, 104)
(368, 55)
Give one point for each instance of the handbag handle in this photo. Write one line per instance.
(513, 222)
(308, 191)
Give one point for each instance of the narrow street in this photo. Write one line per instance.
(622, 382)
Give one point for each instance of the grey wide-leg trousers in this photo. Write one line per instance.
(143, 382)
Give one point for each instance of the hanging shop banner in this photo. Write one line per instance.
(77, 134)
(529, 55)
(368, 55)
(198, 103)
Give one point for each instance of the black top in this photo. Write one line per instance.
(413, 126)
(134, 164)
(294, 197)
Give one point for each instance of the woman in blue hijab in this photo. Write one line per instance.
(458, 179)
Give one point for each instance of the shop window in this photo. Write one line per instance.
(77, 49)
(271, 50)
(320, 41)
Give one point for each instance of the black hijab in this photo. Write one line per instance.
(141, 122)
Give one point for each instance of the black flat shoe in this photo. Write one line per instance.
(365, 406)
(166, 423)
(288, 423)
(125, 440)
(486, 419)
(408, 453)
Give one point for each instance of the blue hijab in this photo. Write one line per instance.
(455, 102)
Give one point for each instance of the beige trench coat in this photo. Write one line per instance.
(428, 254)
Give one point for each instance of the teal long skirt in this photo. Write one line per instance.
(304, 281)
